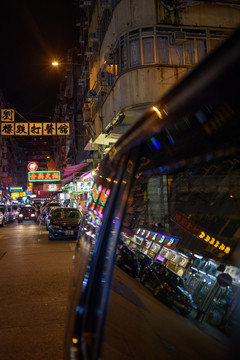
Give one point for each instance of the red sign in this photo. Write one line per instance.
(186, 223)
(7, 180)
(32, 166)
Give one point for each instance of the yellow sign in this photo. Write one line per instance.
(18, 194)
(35, 129)
(8, 115)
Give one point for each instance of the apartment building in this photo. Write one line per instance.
(133, 51)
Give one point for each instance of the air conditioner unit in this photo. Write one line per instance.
(93, 36)
(92, 93)
(108, 58)
(102, 76)
(178, 37)
(105, 76)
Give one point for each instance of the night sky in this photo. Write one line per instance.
(32, 33)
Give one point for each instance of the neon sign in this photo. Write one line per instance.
(39, 176)
(32, 166)
(16, 189)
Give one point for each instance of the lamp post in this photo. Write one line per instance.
(56, 63)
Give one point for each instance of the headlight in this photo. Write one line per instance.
(32, 215)
(20, 215)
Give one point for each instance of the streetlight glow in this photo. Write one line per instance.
(55, 63)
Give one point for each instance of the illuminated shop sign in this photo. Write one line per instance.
(203, 235)
(32, 166)
(18, 194)
(16, 189)
(84, 186)
(51, 187)
(162, 239)
(214, 242)
(95, 193)
(10, 127)
(39, 176)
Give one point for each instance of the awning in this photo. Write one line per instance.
(71, 171)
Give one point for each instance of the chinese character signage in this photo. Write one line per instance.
(7, 115)
(84, 186)
(10, 127)
(213, 244)
(18, 194)
(39, 176)
(35, 129)
(52, 187)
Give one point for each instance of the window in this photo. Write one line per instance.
(162, 50)
(151, 45)
(201, 49)
(189, 52)
(148, 50)
(134, 47)
(176, 54)
(123, 53)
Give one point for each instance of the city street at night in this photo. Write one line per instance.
(34, 281)
(119, 180)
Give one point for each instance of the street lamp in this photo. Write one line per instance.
(56, 63)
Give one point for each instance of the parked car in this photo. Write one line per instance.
(128, 261)
(4, 211)
(64, 223)
(48, 215)
(167, 286)
(27, 214)
(143, 260)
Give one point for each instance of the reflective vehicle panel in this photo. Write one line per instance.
(169, 187)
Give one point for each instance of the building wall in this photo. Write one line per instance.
(143, 84)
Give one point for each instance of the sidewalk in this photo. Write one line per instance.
(210, 330)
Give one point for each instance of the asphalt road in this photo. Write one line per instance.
(34, 281)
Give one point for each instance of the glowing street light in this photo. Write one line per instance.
(56, 63)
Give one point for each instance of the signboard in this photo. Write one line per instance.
(16, 188)
(18, 194)
(7, 180)
(84, 186)
(213, 243)
(40, 176)
(7, 115)
(35, 129)
(9, 127)
(52, 187)
(32, 166)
